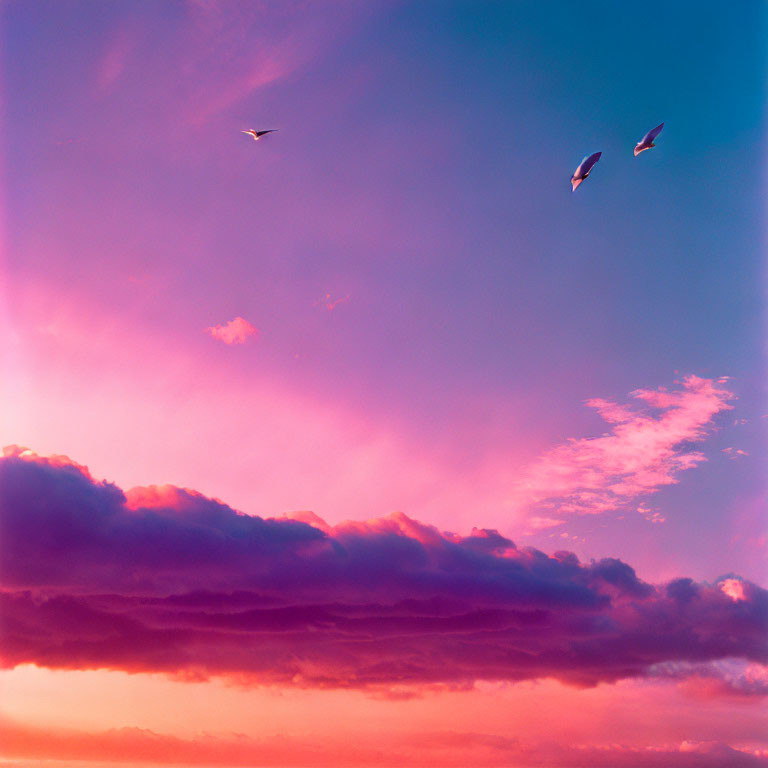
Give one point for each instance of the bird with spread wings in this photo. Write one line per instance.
(258, 134)
(647, 141)
(584, 169)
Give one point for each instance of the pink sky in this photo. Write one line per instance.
(213, 442)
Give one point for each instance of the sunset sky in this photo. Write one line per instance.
(370, 443)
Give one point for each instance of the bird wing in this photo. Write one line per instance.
(589, 163)
(585, 166)
(652, 134)
(261, 133)
(578, 173)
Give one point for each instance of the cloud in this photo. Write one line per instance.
(165, 579)
(540, 523)
(734, 588)
(330, 303)
(489, 749)
(645, 450)
(235, 331)
(240, 48)
(444, 748)
(115, 57)
(141, 745)
(732, 678)
(651, 515)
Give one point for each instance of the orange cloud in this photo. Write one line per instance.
(449, 748)
(734, 588)
(235, 331)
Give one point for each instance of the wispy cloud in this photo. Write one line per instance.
(329, 303)
(645, 450)
(651, 515)
(236, 331)
(255, 45)
(115, 57)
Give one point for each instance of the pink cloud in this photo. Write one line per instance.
(115, 58)
(330, 303)
(645, 450)
(540, 523)
(651, 515)
(235, 331)
(141, 745)
(449, 748)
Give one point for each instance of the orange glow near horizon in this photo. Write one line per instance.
(631, 713)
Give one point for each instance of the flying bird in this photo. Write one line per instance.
(584, 169)
(258, 134)
(647, 141)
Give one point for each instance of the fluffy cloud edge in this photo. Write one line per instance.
(164, 579)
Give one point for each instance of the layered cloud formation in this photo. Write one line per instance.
(165, 579)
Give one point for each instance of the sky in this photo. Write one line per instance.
(372, 432)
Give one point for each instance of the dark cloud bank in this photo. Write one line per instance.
(167, 580)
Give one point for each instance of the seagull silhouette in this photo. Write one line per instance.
(584, 169)
(647, 141)
(258, 134)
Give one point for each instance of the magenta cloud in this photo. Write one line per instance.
(236, 331)
(165, 579)
(645, 450)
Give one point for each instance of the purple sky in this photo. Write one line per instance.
(420, 174)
